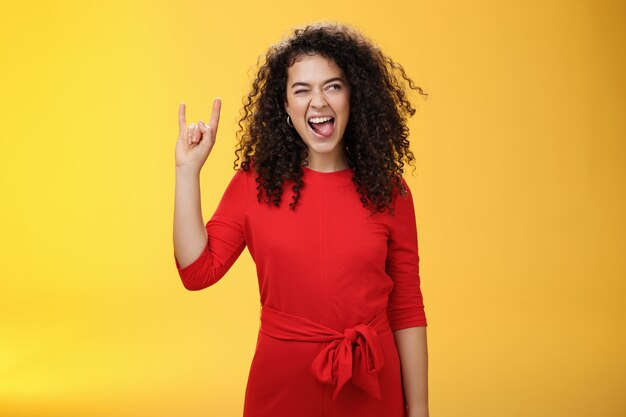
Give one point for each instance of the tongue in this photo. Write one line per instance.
(324, 129)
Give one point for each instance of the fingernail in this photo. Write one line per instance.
(201, 123)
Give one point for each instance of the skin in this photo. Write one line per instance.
(317, 86)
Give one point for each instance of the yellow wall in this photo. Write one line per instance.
(520, 197)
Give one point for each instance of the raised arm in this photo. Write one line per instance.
(200, 261)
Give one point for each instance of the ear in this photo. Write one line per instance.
(286, 107)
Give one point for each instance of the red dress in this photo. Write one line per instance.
(334, 284)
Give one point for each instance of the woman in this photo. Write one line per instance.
(343, 328)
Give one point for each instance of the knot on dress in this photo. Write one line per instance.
(355, 354)
(350, 334)
(343, 360)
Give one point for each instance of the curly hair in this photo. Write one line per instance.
(376, 136)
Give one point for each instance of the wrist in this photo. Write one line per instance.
(187, 171)
(417, 413)
(419, 410)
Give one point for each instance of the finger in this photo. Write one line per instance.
(195, 137)
(208, 135)
(182, 124)
(215, 114)
(206, 130)
(190, 132)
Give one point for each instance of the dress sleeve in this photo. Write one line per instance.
(405, 307)
(226, 239)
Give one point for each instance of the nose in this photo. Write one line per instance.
(318, 99)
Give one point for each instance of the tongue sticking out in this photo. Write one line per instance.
(324, 129)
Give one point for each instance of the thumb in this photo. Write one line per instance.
(208, 136)
(205, 129)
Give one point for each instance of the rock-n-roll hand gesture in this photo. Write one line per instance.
(195, 143)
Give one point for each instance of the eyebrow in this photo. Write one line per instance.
(325, 82)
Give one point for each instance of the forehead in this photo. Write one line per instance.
(312, 68)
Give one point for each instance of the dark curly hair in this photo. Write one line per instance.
(376, 134)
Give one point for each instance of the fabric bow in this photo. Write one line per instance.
(357, 356)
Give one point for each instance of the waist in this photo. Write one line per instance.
(289, 326)
(352, 354)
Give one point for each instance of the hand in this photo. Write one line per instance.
(195, 143)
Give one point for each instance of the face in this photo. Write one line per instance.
(318, 102)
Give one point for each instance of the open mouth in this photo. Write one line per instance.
(324, 128)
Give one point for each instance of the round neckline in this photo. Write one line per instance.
(325, 173)
(328, 179)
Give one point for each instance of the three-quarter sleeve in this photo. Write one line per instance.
(226, 239)
(405, 307)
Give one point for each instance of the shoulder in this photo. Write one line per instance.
(242, 174)
(244, 179)
(401, 190)
(402, 199)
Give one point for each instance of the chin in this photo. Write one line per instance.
(322, 148)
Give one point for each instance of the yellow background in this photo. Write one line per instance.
(520, 199)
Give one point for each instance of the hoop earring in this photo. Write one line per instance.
(289, 121)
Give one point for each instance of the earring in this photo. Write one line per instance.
(289, 121)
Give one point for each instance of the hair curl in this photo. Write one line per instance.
(376, 136)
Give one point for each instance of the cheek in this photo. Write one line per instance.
(343, 104)
(345, 110)
(297, 106)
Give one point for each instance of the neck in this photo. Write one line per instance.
(328, 164)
